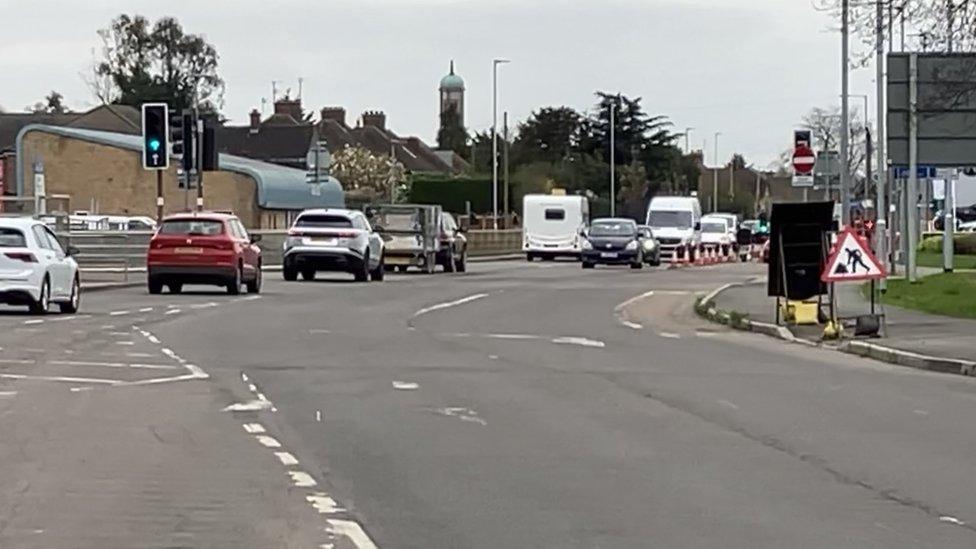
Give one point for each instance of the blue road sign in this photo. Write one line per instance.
(923, 172)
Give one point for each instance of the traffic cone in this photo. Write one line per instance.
(699, 258)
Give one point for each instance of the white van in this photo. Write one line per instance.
(676, 222)
(551, 225)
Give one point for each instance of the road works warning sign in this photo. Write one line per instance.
(851, 260)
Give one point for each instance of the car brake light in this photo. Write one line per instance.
(26, 257)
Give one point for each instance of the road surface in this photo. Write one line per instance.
(517, 405)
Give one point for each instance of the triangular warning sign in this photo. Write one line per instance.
(851, 259)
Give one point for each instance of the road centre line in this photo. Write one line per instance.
(581, 341)
(145, 309)
(112, 364)
(172, 312)
(669, 335)
(302, 479)
(254, 428)
(118, 313)
(66, 379)
(448, 304)
(268, 441)
(353, 532)
(512, 336)
(286, 458)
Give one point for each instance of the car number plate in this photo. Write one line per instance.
(324, 241)
(189, 250)
(608, 255)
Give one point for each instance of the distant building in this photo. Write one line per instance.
(452, 94)
(85, 168)
(113, 118)
(285, 138)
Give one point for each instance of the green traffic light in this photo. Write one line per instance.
(154, 145)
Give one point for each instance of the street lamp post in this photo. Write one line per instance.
(613, 158)
(494, 141)
(687, 136)
(715, 175)
(845, 178)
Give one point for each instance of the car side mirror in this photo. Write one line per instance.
(255, 238)
(698, 226)
(71, 251)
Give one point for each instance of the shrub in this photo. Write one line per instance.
(965, 244)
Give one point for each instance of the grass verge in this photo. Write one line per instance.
(934, 259)
(952, 294)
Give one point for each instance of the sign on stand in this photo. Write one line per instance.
(803, 159)
(851, 260)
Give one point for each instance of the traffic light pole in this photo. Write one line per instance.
(159, 196)
(197, 158)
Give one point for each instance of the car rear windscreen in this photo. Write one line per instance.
(713, 227)
(11, 238)
(201, 227)
(324, 222)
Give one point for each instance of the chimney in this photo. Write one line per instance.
(337, 114)
(374, 118)
(291, 107)
(255, 120)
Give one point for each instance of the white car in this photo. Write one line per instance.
(333, 240)
(35, 268)
(715, 231)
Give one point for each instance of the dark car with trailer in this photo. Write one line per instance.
(612, 241)
(335, 240)
(411, 234)
(203, 248)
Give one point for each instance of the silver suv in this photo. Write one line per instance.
(332, 240)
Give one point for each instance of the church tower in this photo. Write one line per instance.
(452, 94)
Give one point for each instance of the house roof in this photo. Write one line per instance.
(121, 118)
(278, 187)
(275, 144)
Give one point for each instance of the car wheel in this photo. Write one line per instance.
(461, 265)
(402, 268)
(175, 287)
(289, 272)
(588, 265)
(379, 271)
(448, 263)
(308, 274)
(234, 286)
(637, 264)
(155, 286)
(71, 307)
(254, 285)
(362, 273)
(529, 257)
(43, 303)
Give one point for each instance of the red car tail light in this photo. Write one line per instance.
(26, 257)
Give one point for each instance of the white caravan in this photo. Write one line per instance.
(551, 225)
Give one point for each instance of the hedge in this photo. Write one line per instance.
(964, 244)
(453, 193)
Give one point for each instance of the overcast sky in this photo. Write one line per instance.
(748, 69)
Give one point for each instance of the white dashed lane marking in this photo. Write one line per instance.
(581, 341)
(253, 428)
(118, 313)
(145, 309)
(34, 321)
(286, 458)
(268, 441)
(172, 312)
(302, 479)
(669, 335)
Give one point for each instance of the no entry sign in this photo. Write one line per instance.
(803, 160)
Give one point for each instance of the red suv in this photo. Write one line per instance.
(203, 248)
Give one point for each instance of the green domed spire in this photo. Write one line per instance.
(451, 81)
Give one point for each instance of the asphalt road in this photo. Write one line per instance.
(517, 405)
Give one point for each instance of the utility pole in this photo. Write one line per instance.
(911, 198)
(715, 175)
(881, 202)
(845, 178)
(494, 141)
(613, 158)
(505, 207)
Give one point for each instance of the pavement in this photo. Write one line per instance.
(904, 329)
(515, 405)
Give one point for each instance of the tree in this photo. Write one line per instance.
(548, 135)
(825, 130)
(929, 24)
(52, 104)
(365, 175)
(159, 62)
(452, 136)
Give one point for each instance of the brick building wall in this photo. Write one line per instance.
(114, 178)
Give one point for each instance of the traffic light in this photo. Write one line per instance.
(209, 156)
(155, 136)
(189, 134)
